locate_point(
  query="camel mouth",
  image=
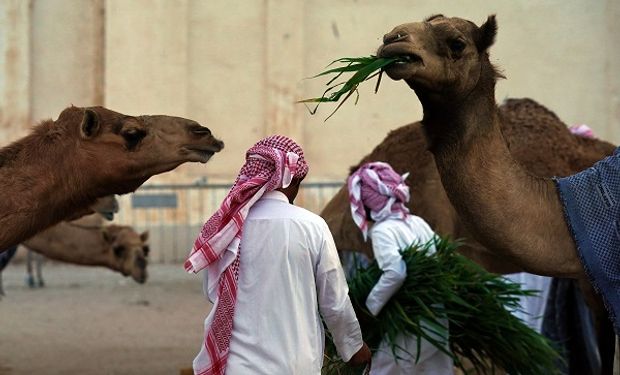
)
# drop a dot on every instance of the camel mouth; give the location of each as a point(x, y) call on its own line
point(407, 63)
point(201, 154)
point(410, 58)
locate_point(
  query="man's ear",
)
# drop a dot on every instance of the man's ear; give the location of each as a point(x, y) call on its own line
point(485, 35)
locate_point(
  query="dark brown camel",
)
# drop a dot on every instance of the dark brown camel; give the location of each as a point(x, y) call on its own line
point(512, 212)
point(64, 165)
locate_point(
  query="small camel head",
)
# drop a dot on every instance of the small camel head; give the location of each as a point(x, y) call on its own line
point(124, 151)
point(106, 206)
point(443, 56)
point(128, 249)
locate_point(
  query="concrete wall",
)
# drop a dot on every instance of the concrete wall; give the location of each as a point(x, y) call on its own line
point(237, 67)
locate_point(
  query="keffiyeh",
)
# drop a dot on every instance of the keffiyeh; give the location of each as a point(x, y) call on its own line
point(377, 186)
point(270, 164)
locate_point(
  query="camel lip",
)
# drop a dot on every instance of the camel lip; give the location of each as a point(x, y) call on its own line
point(401, 52)
point(203, 154)
point(408, 63)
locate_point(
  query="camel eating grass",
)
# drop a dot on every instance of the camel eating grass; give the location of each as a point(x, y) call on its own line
point(64, 165)
point(515, 214)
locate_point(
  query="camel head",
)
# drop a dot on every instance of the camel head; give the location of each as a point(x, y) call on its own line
point(124, 151)
point(443, 58)
point(106, 206)
point(127, 251)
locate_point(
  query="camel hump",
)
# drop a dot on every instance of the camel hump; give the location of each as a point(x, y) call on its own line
point(528, 109)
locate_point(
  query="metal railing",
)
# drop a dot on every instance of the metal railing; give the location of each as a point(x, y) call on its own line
point(174, 213)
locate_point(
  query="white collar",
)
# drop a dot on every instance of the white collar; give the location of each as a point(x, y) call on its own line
point(275, 195)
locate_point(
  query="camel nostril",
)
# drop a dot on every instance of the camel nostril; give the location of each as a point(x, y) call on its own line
point(394, 37)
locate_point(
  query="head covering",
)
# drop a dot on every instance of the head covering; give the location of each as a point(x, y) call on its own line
point(270, 164)
point(582, 130)
point(377, 186)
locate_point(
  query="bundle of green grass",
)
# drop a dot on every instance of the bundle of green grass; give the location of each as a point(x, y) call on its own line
point(363, 69)
point(476, 303)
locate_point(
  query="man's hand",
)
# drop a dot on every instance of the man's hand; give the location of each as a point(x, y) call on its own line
point(360, 358)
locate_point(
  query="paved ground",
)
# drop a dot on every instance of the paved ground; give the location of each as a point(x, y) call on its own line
point(94, 321)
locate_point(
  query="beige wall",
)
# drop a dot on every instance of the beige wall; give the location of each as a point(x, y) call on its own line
point(237, 67)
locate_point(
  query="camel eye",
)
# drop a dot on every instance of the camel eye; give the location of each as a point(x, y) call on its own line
point(133, 137)
point(119, 250)
point(456, 45)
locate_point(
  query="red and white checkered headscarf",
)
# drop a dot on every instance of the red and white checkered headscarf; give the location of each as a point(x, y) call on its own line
point(270, 164)
point(377, 186)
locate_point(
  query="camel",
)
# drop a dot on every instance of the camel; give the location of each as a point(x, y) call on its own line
point(513, 213)
point(88, 242)
point(104, 207)
point(537, 139)
point(62, 166)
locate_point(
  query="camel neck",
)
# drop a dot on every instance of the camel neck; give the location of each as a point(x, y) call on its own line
point(484, 183)
point(39, 168)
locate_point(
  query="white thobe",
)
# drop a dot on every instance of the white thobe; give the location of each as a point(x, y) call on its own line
point(532, 307)
point(389, 237)
point(289, 272)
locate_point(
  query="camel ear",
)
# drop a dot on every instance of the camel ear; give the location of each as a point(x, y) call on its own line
point(107, 236)
point(90, 124)
point(144, 236)
point(485, 37)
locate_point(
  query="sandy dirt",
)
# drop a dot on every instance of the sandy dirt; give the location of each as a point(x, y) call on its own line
point(94, 321)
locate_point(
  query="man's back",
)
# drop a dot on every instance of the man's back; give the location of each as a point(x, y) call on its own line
point(277, 328)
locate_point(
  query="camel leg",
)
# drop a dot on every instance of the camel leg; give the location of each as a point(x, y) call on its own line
point(29, 275)
point(1, 288)
point(606, 344)
point(606, 337)
point(617, 358)
point(39, 264)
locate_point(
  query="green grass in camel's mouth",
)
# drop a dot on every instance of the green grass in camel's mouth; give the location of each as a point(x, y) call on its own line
point(362, 68)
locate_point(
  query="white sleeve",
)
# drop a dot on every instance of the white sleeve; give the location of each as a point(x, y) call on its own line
point(334, 303)
point(389, 260)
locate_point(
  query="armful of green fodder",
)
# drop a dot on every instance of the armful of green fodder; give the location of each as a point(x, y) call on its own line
point(477, 305)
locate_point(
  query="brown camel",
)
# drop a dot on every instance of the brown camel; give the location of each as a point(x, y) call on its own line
point(88, 242)
point(537, 139)
point(510, 211)
point(64, 165)
point(106, 207)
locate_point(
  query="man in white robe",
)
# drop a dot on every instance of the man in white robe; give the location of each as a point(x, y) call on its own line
point(272, 272)
point(378, 194)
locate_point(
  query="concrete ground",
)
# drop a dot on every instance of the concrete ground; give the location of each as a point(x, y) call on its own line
point(93, 321)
